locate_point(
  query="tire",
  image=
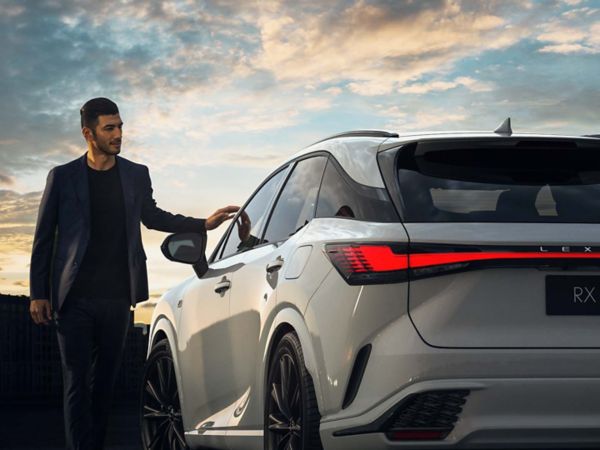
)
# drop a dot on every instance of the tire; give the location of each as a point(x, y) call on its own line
point(291, 414)
point(161, 424)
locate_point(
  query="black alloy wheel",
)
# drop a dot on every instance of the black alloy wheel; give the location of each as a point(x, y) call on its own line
point(161, 424)
point(291, 414)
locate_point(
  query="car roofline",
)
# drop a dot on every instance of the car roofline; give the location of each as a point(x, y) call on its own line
point(390, 134)
point(355, 148)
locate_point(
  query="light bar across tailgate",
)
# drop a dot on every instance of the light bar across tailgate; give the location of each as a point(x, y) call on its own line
point(374, 263)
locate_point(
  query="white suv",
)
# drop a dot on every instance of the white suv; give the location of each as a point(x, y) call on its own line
point(383, 291)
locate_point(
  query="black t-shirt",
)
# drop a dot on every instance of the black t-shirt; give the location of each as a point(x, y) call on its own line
point(104, 271)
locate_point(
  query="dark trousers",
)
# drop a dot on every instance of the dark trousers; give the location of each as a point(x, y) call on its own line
point(91, 338)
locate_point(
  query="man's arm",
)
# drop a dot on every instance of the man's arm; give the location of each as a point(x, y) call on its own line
point(41, 253)
point(157, 219)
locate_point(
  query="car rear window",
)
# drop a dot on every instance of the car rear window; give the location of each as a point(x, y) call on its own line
point(500, 181)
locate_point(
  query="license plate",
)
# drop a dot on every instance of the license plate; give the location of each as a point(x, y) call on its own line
point(572, 295)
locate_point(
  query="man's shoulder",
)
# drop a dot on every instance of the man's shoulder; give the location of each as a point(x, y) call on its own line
point(67, 167)
point(131, 164)
point(75, 164)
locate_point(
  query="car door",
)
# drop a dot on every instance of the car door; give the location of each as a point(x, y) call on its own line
point(205, 342)
point(253, 293)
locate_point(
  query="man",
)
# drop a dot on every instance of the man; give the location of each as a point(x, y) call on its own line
point(88, 264)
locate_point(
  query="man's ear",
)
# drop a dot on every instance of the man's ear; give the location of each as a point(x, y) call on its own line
point(87, 133)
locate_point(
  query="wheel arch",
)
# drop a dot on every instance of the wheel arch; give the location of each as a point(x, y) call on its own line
point(164, 329)
point(158, 336)
point(161, 329)
point(290, 320)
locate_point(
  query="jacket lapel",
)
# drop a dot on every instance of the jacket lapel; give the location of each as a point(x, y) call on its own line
point(82, 189)
point(127, 184)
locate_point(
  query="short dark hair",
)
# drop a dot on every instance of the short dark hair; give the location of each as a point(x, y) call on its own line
point(96, 107)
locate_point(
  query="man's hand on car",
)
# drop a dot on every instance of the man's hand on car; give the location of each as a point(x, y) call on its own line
point(220, 216)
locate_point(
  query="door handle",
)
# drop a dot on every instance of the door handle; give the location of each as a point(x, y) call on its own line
point(274, 266)
point(222, 286)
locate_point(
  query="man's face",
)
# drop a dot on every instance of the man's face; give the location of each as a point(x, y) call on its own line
point(107, 135)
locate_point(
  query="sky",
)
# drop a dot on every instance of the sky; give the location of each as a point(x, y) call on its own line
point(216, 94)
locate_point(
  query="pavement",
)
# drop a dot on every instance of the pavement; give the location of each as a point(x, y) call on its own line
point(29, 427)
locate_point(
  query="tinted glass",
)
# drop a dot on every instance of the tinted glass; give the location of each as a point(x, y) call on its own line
point(296, 204)
point(340, 196)
point(245, 233)
point(511, 181)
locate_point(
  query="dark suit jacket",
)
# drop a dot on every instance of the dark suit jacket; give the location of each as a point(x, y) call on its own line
point(63, 228)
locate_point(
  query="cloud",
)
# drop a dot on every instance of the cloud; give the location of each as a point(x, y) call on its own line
point(372, 88)
point(571, 108)
point(377, 46)
point(15, 251)
point(563, 35)
point(423, 88)
point(6, 179)
point(18, 209)
point(190, 75)
point(333, 90)
point(574, 13)
point(437, 85)
point(571, 33)
point(194, 129)
point(63, 53)
point(17, 223)
point(566, 49)
point(16, 240)
point(426, 120)
point(12, 11)
point(251, 159)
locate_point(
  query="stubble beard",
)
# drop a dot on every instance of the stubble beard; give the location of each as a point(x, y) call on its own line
point(107, 149)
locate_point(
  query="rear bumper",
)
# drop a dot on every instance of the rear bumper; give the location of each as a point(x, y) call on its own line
point(519, 398)
point(499, 413)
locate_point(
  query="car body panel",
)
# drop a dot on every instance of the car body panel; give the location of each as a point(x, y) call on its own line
point(252, 298)
point(355, 315)
point(204, 316)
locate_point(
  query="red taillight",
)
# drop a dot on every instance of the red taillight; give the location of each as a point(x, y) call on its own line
point(369, 263)
point(366, 258)
point(390, 263)
point(434, 259)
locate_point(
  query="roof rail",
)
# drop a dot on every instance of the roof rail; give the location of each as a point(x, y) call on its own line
point(592, 135)
point(361, 133)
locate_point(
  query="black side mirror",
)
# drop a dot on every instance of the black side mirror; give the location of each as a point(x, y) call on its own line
point(187, 248)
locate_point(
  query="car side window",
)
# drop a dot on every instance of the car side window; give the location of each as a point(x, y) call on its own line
point(340, 196)
point(245, 233)
point(296, 204)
